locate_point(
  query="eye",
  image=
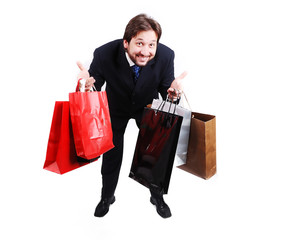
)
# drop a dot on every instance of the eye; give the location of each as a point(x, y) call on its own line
point(152, 45)
point(139, 44)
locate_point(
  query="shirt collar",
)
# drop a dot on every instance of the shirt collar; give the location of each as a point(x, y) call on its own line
point(131, 63)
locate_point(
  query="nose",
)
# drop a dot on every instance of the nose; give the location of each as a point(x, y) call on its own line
point(145, 51)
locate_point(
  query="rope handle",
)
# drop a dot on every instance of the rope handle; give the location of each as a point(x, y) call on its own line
point(186, 100)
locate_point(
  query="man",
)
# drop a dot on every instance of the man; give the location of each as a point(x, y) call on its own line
point(135, 69)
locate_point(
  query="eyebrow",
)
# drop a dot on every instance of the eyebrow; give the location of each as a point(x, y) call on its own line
point(141, 39)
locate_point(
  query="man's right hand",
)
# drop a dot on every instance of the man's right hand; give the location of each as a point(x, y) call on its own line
point(85, 75)
point(83, 71)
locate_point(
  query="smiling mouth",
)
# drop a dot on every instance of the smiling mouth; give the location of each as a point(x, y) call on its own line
point(143, 58)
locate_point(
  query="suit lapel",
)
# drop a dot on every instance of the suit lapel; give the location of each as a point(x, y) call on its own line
point(124, 69)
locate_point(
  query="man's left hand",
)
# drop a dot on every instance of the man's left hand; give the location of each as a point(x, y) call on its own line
point(175, 89)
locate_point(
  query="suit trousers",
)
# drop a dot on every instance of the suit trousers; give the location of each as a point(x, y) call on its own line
point(113, 158)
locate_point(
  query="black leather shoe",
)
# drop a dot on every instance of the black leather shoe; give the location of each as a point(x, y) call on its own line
point(162, 208)
point(103, 206)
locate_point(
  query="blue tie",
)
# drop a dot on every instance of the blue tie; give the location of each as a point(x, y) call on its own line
point(136, 70)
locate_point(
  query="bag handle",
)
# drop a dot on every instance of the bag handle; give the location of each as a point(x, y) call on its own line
point(186, 100)
point(173, 102)
point(192, 115)
point(161, 106)
point(81, 86)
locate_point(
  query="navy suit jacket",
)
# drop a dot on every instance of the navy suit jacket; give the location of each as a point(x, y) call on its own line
point(127, 99)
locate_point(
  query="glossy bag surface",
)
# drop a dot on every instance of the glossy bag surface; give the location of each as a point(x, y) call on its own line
point(155, 149)
point(61, 154)
point(182, 146)
point(91, 123)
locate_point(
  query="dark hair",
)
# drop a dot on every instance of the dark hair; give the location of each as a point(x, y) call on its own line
point(141, 22)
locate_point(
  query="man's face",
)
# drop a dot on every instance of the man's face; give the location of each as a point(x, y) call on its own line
point(142, 48)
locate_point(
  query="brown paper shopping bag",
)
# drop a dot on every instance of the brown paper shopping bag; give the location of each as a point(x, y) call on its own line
point(201, 155)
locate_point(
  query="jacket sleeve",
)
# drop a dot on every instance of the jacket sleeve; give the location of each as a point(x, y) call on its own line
point(167, 76)
point(96, 71)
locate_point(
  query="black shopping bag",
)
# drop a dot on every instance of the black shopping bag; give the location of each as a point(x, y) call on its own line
point(155, 149)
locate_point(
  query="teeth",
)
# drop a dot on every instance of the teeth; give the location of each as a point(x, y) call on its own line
point(143, 58)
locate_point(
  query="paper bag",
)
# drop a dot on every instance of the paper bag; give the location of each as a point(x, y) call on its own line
point(201, 154)
point(61, 154)
point(91, 123)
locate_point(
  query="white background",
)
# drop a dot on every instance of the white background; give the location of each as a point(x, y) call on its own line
point(233, 52)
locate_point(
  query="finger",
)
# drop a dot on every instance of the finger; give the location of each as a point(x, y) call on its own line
point(91, 80)
point(89, 83)
point(183, 75)
point(87, 89)
point(80, 65)
point(171, 90)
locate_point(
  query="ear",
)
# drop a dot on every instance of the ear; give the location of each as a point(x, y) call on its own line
point(125, 44)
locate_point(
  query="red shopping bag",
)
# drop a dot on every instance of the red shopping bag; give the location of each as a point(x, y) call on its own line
point(91, 123)
point(61, 154)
